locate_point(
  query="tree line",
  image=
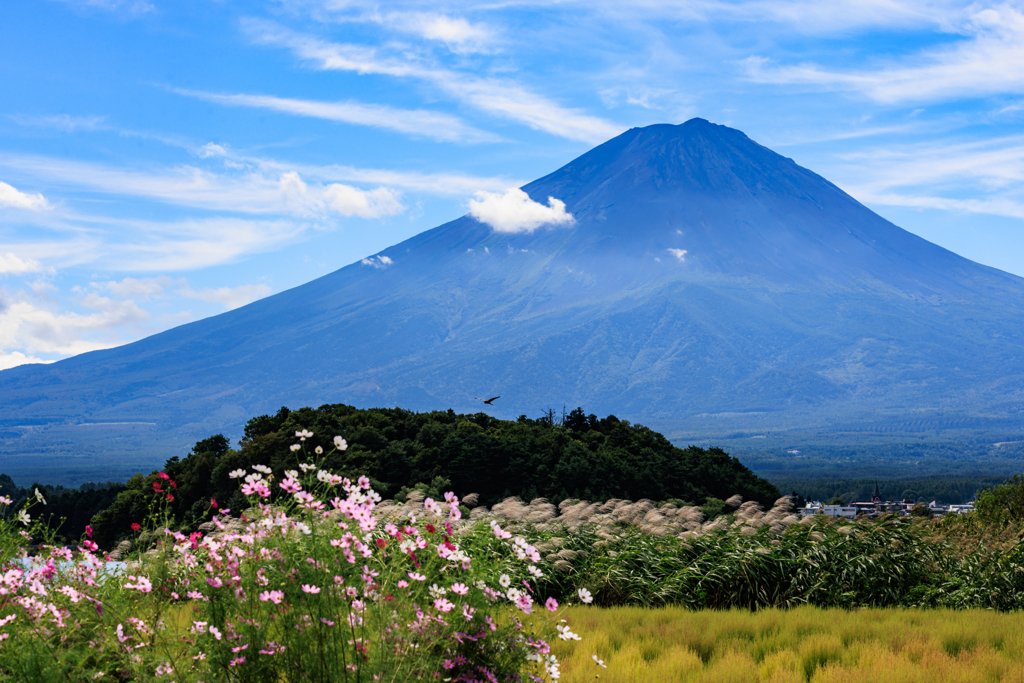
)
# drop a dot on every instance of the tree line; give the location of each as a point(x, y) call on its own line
point(575, 456)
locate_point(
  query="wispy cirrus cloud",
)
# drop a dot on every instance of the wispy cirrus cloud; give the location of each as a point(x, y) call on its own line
point(985, 61)
point(62, 122)
point(228, 297)
point(416, 122)
point(984, 177)
point(129, 7)
point(500, 97)
point(457, 33)
point(248, 191)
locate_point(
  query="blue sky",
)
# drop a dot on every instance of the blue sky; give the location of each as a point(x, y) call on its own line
point(163, 161)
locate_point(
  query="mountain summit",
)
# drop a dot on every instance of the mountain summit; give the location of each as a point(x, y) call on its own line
point(704, 280)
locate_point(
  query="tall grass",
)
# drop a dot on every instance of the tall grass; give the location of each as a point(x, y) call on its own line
point(801, 645)
point(635, 553)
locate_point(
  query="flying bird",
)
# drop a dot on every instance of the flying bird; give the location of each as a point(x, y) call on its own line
point(487, 401)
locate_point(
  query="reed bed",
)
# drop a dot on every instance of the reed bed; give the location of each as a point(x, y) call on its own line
point(643, 553)
point(800, 645)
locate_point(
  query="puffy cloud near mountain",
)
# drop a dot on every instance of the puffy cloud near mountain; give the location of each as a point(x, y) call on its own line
point(514, 211)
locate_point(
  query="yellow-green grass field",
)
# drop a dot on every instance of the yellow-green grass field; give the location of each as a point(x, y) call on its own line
point(805, 644)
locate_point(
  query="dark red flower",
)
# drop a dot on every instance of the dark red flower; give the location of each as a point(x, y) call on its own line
point(136, 526)
point(213, 503)
point(170, 498)
point(382, 543)
point(163, 475)
point(430, 529)
point(156, 487)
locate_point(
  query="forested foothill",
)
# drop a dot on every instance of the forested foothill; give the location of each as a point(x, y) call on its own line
point(555, 457)
point(67, 510)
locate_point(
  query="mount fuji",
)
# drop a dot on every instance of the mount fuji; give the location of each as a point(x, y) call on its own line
point(705, 285)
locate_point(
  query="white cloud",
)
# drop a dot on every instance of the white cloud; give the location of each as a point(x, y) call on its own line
point(977, 177)
point(245, 190)
point(63, 122)
point(211, 150)
point(16, 358)
point(986, 62)
point(20, 200)
point(12, 264)
point(678, 253)
point(379, 262)
point(501, 97)
point(137, 288)
point(29, 324)
point(133, 7)
point(514, 211)
point(198, 243)
point(229, 297)
point(457, 33)
point(351, 201)
point(417, 122)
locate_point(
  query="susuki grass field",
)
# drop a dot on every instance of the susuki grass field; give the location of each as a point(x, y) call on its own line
point(804, 644)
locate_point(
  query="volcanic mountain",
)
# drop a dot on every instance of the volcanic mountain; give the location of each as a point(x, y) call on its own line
point(704, 278)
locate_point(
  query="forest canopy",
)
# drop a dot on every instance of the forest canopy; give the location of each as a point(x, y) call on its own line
point(577, 456)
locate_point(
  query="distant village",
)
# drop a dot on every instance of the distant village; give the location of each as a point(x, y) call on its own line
point(877, 507)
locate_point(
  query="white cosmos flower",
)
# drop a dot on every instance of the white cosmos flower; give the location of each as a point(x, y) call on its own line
point(585, 596)
point(303, 434)
point(319, 450)
point(262, 468)
point(235, 474)
point(295, 447)
point(600, 662)
point(340, 443)
point(292, 473)
point(23, 517)
point(505, 581)
point(40, 498)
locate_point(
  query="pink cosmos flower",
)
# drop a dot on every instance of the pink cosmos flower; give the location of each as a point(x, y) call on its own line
point(273, 596)
point(551, 604)
point(416, 576)
point(290, 485)
point(460, 588)
point(403, 583)
point(237, 661)
point(306, 588)
point(141, 584)
point(442, 605)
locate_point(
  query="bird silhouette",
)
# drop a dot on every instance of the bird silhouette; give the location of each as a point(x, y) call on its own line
point(487, 401)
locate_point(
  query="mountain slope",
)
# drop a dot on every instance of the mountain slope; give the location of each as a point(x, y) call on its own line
point(704, 275)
